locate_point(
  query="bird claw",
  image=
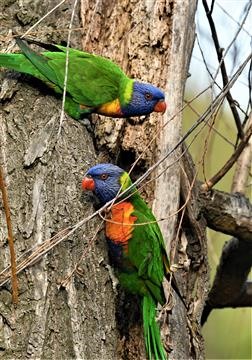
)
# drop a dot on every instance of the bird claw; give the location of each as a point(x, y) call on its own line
point(175, 267)
point(168, 306)
point(113, 278)
point(87, 123)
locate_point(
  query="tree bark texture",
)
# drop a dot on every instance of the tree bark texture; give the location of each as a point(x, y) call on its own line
point(151, 40)
point(227, 213)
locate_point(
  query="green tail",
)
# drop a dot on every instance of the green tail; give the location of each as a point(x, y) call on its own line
point(20, 63)
point(36, 65)
point(153, 344)
point(39, 62)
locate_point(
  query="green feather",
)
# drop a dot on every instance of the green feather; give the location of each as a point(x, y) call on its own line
point(148, 238)
point(153, 344)
point(136, 248)
point(97, 83)
point(40, 63)
point(92, 80)
point(146, 268)
point(20, 63)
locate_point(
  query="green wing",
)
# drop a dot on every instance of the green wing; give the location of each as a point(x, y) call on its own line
point(92, 80)
point(146, 250)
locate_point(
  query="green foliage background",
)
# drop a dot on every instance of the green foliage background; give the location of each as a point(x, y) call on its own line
point(227, 332)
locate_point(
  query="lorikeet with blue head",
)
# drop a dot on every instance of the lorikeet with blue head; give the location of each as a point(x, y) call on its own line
point(137, 251)
point(94, 84)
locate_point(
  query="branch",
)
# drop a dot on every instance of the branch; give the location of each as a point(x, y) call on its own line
point(219, 51)
point(227, 213)
point(229, 287)
point(243, 165)
point(230, 214)
point(210, 183)
point(243, 300)
point(14, 281)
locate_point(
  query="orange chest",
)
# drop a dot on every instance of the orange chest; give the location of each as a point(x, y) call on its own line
point(120, 226)
point(111, 108)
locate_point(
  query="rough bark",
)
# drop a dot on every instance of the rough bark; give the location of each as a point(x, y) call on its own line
point(43, 178)
point(191, 256)
point(185, 246)
point(152, 41)
point(230, 214)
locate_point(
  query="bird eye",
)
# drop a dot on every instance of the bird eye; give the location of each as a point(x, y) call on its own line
point(103, 176)
point(148, 96)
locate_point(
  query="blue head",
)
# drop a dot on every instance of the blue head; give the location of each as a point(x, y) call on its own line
point(105, 180)
point(146, 98)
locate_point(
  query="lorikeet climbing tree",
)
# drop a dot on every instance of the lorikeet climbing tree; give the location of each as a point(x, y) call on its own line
point(136, 246)
point(94, 83)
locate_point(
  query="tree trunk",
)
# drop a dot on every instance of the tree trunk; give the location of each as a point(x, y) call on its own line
point(86, 319)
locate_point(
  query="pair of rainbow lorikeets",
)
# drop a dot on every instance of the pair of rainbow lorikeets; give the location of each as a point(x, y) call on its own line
point(97, 85)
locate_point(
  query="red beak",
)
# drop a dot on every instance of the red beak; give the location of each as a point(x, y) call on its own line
point(88, 184)
point(160, 106)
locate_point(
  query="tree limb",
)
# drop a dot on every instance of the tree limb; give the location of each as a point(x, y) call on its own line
point(243, 300)
point(229, 287)
point(227, 213)
point(230, 214)
point(243, 164)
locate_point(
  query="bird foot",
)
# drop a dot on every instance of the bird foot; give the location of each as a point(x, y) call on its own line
point(175, 267)
point(113, 278)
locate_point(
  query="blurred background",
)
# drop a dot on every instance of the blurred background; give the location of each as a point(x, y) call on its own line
point(227, 332)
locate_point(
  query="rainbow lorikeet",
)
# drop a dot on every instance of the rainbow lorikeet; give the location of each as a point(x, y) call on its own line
point(137, 252)
point(94, 83)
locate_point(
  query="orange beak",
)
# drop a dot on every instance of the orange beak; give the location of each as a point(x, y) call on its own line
point(88, 184)
point(160, 106)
